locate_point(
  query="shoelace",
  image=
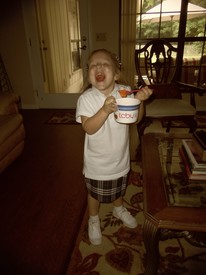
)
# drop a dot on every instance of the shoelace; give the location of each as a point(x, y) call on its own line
point(94, 224)
point(124, 212)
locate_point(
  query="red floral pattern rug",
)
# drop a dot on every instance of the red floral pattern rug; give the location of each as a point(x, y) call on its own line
point(122, 250)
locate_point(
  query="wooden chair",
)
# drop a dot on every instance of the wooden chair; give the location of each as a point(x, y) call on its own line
point(201, 74)
point(199, 86)
point(156, 67)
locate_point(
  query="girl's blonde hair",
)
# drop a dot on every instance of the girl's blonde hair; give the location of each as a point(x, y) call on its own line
point(116, 63)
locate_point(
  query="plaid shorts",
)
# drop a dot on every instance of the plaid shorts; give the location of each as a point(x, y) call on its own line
point(106, 191)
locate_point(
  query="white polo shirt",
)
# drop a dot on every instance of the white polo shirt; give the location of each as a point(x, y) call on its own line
point(106, 153)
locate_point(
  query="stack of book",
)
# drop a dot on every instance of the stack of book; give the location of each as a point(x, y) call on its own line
point(199, 139)
point(193, 156)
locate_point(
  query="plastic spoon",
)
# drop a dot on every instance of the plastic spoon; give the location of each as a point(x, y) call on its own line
point(125, 93)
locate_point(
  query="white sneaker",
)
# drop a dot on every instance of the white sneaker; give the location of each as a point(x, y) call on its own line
point(94, 232)
point(125, 216)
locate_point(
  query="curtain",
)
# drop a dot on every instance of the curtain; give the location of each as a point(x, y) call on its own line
point(128, 42)
point(128, 39)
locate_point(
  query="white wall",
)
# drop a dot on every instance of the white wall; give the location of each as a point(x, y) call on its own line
point(104, 19)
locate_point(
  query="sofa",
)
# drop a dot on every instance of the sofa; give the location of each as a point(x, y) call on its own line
point(12, 131)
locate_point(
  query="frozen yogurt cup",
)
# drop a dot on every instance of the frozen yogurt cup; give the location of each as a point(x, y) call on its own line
point(127, 110)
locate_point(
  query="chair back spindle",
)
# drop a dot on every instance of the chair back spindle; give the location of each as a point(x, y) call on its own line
point(159, 63)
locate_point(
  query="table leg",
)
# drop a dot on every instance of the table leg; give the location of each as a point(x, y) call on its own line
point(151, 235)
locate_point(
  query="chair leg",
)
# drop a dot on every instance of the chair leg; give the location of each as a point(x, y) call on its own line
point(141, 126)
point(168, 126)
point(192, 125)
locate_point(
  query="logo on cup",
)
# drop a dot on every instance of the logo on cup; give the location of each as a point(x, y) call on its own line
point(127, 115)
point(127, 110)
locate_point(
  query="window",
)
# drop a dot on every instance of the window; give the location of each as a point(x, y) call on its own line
point(183, 23)
point(74, 27)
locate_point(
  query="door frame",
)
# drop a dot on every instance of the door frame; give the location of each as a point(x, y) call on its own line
point(50, 100)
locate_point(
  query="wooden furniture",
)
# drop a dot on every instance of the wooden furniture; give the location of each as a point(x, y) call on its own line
point(5, 84)
point(165, 209)
point(156, 66)
point(42, 198)
point(12, 132)
point(200, 74)
point(11, 128)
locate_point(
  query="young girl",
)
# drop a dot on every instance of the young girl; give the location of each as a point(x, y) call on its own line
point(106, 148)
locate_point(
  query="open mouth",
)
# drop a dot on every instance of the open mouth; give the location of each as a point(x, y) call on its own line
point(100, 77)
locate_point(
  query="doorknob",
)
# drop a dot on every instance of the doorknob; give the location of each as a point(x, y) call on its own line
point(83, 47)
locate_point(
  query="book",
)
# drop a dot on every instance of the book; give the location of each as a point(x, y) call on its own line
point(201, 151)
point(195, 160)
point(201, 137)
point(187, 169)
point(187, 162)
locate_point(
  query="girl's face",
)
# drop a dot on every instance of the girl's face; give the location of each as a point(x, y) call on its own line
point(102, 73)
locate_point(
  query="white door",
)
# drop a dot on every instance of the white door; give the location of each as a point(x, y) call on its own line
point(62, 47)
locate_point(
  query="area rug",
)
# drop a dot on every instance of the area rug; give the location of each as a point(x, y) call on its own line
point(200, 119)
point(122, 250)
point(63, 117)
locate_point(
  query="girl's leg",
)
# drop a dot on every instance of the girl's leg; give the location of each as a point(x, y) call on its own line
point(118, 202)
point(93, 206)
point(94, 230)
point(120, 212)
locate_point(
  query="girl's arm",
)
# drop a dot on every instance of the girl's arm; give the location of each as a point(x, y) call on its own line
point(142, 95)
point(92, 124)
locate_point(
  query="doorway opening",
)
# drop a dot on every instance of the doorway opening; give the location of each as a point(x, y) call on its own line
point(60, 45)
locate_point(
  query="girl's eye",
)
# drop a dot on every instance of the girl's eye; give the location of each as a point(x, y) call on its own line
point(105, 65)
point(92, 66)
point(99, 65)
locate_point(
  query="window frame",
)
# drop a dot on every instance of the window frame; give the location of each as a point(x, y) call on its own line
point(181, 39)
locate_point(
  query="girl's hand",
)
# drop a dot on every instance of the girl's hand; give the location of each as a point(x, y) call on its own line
point(110, 105)
point(144, 93)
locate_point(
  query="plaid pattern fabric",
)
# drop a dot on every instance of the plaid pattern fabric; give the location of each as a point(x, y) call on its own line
point(106, 191)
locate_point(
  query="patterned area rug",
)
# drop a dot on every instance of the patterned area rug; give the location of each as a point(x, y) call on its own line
point(122, 250)
point(63, 117)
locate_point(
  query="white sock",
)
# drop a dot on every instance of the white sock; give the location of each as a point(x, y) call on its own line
point(94, 218)
point(118, 208)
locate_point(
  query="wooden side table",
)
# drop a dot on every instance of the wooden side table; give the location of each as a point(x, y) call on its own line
point(164, 209)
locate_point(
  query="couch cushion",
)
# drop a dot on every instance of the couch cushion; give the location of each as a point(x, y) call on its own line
point(9, 124)
point(11, 141)
point(8, 103)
